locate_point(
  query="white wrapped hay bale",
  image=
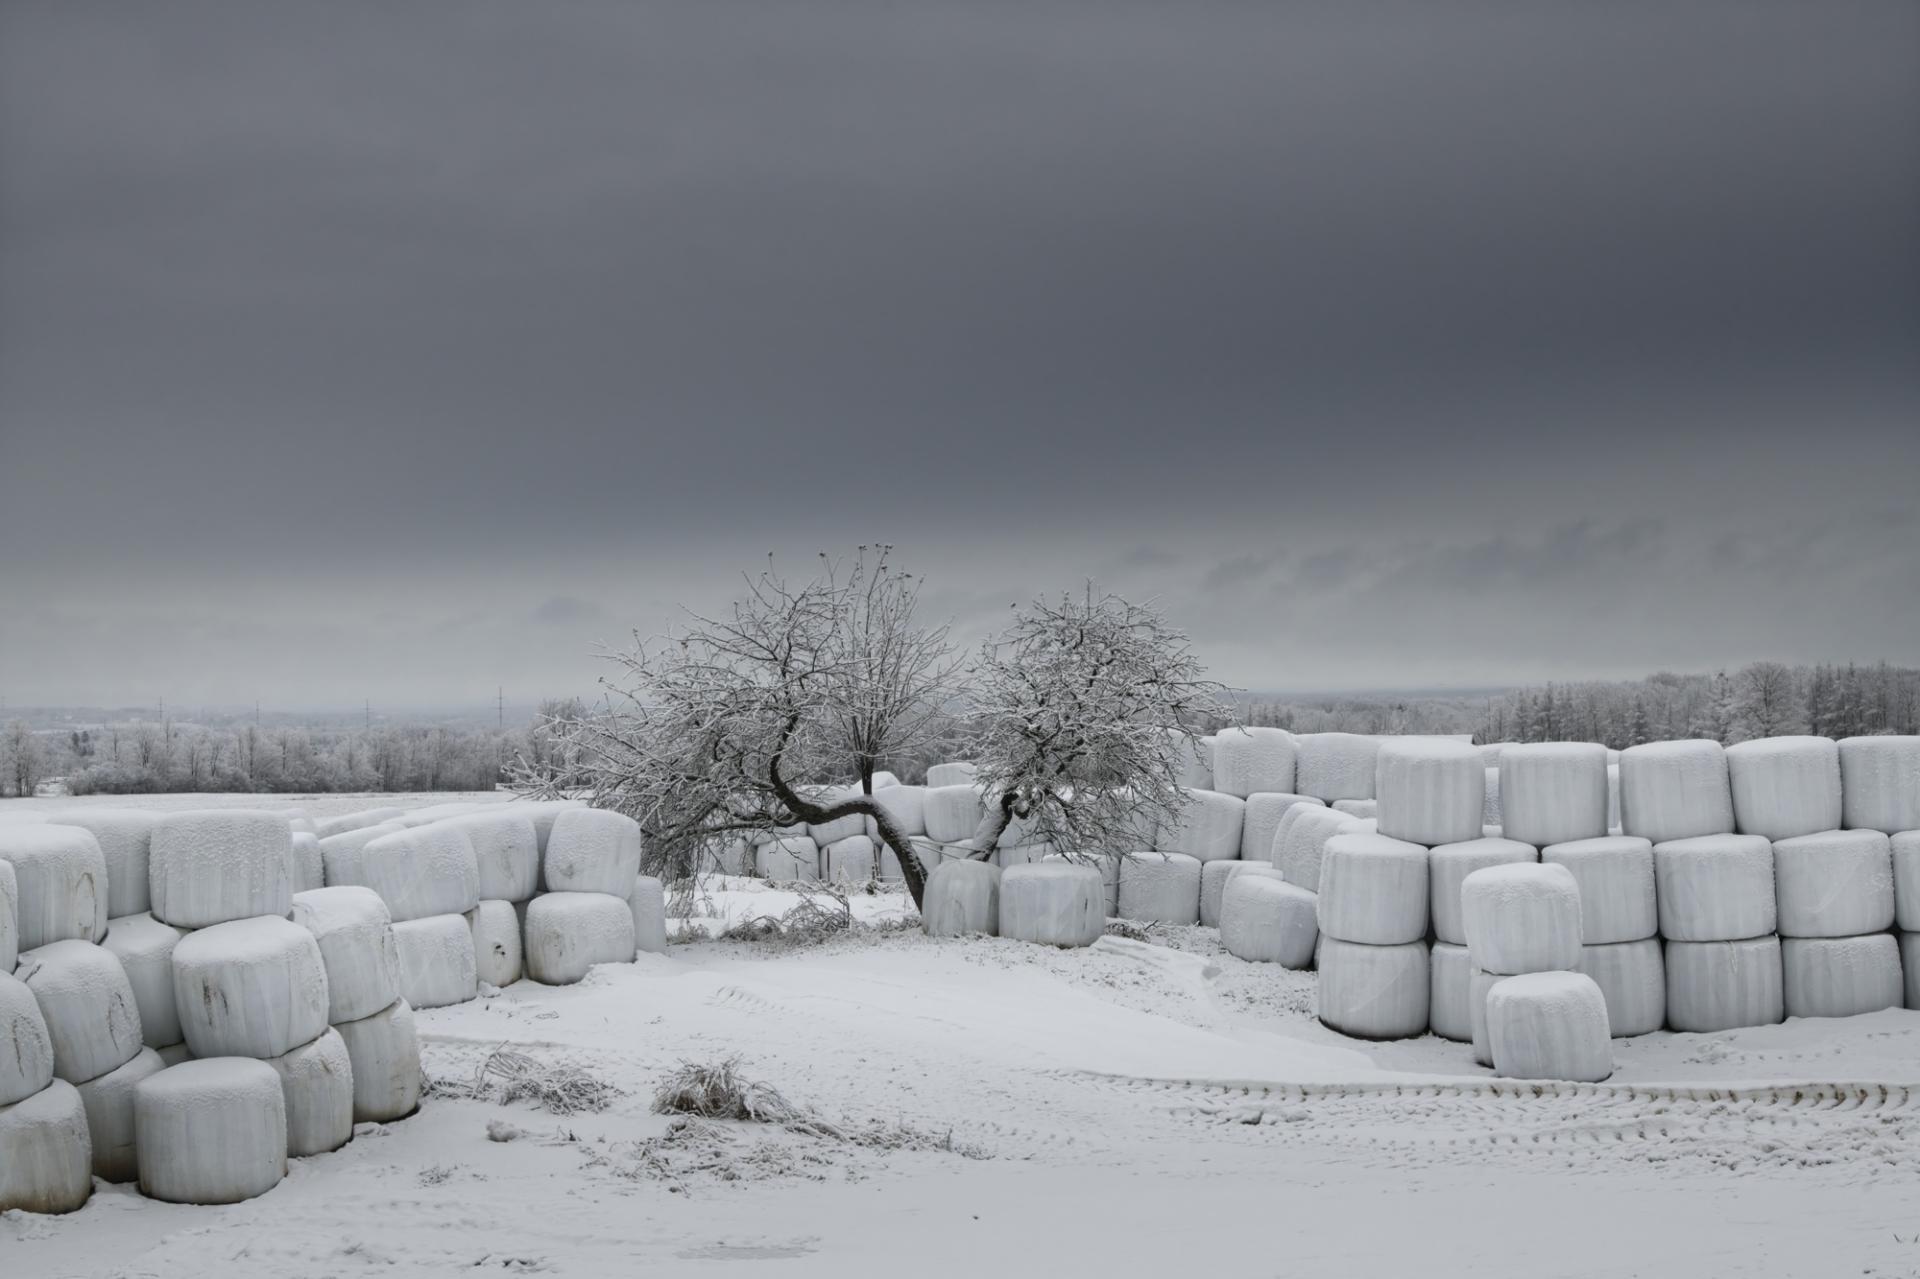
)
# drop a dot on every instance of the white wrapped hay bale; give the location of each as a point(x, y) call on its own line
point(1207, 828)
point(1374, 992)
point(306, 864)
point(250, 988)
point(1549, 1025)
point(1906, 880)
point(218, 865)
point(1373, 890)
point(1910, 965)
point(1431, 791)
point(824, 833)
point(211, 1132)
point(1248, 761)
point(1615, 874)
point(1633, 977)
point(1675, 790)
point(144, 947)
point(907, 806)
point(1553, 792)
point(438, 965)
point(1722, 985)
point(26, 1050)
point(88, 1007)
point(1448, 867)
point(1613, 797)
point(339, 854)
point(1357, 807)
point(848, 861)
point(1522, 918)
point(384, 1051)
point(1479, 983)
point(1265, 920)
point(952, 813)
point(506, 852)
point(1335, 765)
point(1490, 805)
point(1785, 786)
point(316, 1082)
point(1840, 976)
point(1260, 822)
point(327, 827)
point(1007, 856)
point(1838, 883)
point(592, 850)
point(648, 904)
point(955, 773)
point(46, 1155)
point(9, 917)
point(1213, 882)
point(1053, 904)
point(108, 1102)
point(1449, 1015)
point(351, 926)
point(419, 872)
point(1715, 887)
point(495, 928)
point(60, 883)
point(1107, 866)
point(568, 933)
point(883, 780)
point(1880, 783)
point(1299, 845)
point(1192, 760)
point(785, 860)
point(125, 835)
point(962, 896)
point(1160, 888)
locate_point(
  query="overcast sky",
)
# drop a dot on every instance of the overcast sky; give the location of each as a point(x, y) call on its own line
point(402, 351)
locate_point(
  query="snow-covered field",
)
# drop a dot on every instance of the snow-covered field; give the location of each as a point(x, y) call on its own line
point(1013, 1110)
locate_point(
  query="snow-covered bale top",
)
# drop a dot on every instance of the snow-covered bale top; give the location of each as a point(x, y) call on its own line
point(1880, 783)
point(356, 821)
point(1785, 786)
point(125, 836)
point(60, 883)
point(1249, 761)
point(1522, 918)
point(1675, 790)
point(1553, 792)
point(216, 865)
point(1431, 791)
point(1335, 765)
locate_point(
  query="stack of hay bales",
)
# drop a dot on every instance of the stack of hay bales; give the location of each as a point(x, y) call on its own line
point(506, 853)
point(1264, 919)
point(46, 1152)
point(1880, 791)
point(1619, 927)
point(1264, 813)
point(1448, 866)
point(429, 877)
point(1533, 1016)
point(953, 773)
point(1372, 913)
point(1165, 884)
point(962, 897)
point(590, 866)
point(1055, 903)
point(907, 806)
point(372, 1020)
point(1335, 766)
point(1251, 761)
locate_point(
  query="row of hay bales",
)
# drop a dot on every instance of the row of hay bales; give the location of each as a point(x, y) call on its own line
point(197, 996)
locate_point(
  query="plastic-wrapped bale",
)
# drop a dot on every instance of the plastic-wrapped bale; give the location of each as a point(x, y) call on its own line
point(1522, 918)
point(824, 833)
point(316, 1081)
point(108, 1102)
point(1207, 828)
point(1107, 865)
point(219, 865)
point(954, 773)
point(1192, 760)
point(1053, 904)
point(46, 1155)
point(1675, 790)
point(648, 904)
point(1299, 845)
point(1910, 965)
point(125, 836)
point(60, 883)
point(568, 933)
point(1007, 856)
point(1214, 878)
point(495, 928)
point(1613, 797)
point(88, 1007)
point(211, 1132)
point(506, 852)
point(1160, 888)
point(1838, 883)
point(327, 827)
point(962, 896)
point(1549, 1025)
point(592, 850)
point(26, 1049)
point(543, 814)
point(384, 1051)
point(419, 872)
point(794, 858)
point(1335, 765)
point(354, 931)
point(1633, 977)
point(1374, 992)
point(249, 988)
point(144, 947)
point(1373, 890)
point(438, 965)
point(9, 917)
point(1906, 880)
point(1479, 983)
point(1615, 874)
point(1880, 783)
point(1785, 786)
point(339, 854)
point(1357, 807)
point(883, 780)
point(1265, 920)
point(1840, 976)
point(1722, 985)
point(1248, 761)
point(1490, 805)
point(1715, 887)
point(952, 813)
point(1261, 822)
point(848, 861)
point(298, 821)
point(1431, 791)
point(907, 806)
point(1448, 867)
point(306, 865)
point(1553, 792)
point(1449, 1014)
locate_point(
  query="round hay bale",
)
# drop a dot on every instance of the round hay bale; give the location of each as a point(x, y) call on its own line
point(1192, 760)
point(1840, 976)
point(438, 965)
point(1613, 797)
point(144, 947)
point(1479, 983)
point(249, 988)
point(1374, 992)
point(1910, 965)
point(1207, 828)
point(215, 866)
point(907, 805)
point(9, 918)
point(60, 883)
point(354, 931)
point(1214, 878)
point(568, 933)
point(1549, 1025)
point(1785, 786)
point(848, 861)
point(1053, 904)
point(648, 905)
point(306, 865)
point(824, 833)
point(1838, 883)
point(46, 1155)
point(495, 929)
point(1107, 865)
point(88, 1006)
point(1615, 874)
point(1522, 918)
point(1715, 887)
point(1299, 844)
point(1160, 888)
point(1265, 920)
point(339, 854)
point(1448, 867)
point(1261, 822)
point(1633, 977)
point(1335, 765)
point(1373, 890)
point(1449, 1014)
point(125, 836)
point(26, 1050)
point(955, 773)
point(506, 852)
point(108, 1102)
point(384, 1051)
point(1248, 761)
point(1879, 784)
point(418, 872)
point(592, 850)
point(316, 1082)
point(1723, 985)
point(327, 827)
point(962, 896)
point(1906, 880)
point(1490, 806)
point(1431, 791)
point(1553, 792)
point(786, 860)
point(1675, 790)
point(211, 1132)
point(952, 813)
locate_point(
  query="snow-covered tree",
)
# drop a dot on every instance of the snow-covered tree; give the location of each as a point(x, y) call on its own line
point(1767, 701)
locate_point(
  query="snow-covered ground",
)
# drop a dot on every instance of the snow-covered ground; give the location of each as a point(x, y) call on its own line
point(1132, 1109)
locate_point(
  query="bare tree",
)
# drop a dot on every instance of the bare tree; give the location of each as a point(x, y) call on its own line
point(1768, 704)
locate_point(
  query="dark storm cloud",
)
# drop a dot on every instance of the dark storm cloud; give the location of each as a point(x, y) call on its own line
point(520, 323)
